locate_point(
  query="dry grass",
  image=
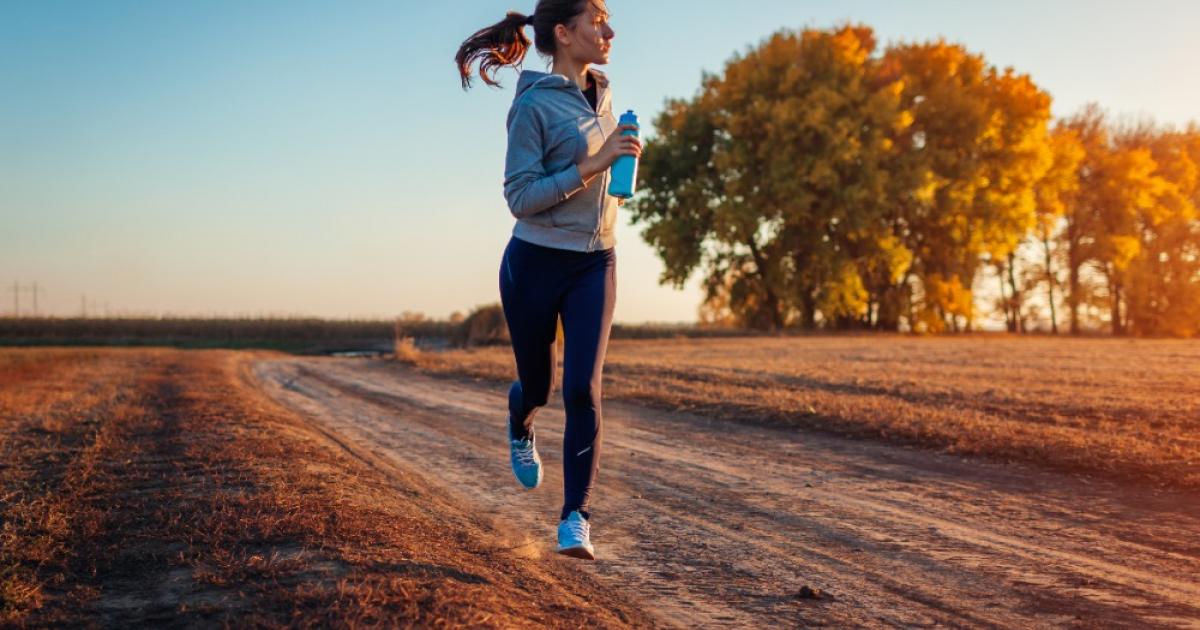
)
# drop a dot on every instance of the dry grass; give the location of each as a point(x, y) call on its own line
point(154, 487)
point(1128, 409)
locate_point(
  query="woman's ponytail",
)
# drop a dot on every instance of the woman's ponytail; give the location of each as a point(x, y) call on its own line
point(504, 43)
point(501, 44)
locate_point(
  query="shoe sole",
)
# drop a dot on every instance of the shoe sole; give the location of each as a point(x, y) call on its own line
point(533, 487)
point(578, 552)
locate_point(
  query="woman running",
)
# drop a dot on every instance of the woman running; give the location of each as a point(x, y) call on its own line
point(560, 261)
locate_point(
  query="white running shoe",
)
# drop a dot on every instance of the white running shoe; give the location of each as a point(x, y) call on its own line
point(574, 537)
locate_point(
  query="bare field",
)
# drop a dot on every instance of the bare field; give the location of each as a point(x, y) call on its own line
point(160, 488)
point(1127, 409)
point(708, 523)
point(170, 488)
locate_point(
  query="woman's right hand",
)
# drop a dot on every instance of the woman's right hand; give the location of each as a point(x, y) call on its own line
point(615, 146)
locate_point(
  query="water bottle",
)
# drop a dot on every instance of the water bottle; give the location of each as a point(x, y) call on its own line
point(623, 177)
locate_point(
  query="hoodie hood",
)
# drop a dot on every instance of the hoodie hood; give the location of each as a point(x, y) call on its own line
point(534, 80)
point(543, 80)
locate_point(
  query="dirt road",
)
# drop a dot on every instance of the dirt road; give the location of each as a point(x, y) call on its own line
point(713, 524)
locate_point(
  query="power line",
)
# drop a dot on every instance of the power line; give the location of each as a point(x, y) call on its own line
point(34, 291)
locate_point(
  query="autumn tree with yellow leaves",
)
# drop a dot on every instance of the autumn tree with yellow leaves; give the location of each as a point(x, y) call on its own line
point(1160, 281)
point(819, 181)
point(977, 144)
point(773, 180)
point(1058, 187)
point(1131, 230)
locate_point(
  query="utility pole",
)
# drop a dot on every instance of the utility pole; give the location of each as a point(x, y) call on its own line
point(34, 291)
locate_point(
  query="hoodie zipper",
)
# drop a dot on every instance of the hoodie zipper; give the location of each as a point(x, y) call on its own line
point(600, 204)
point(604, 180)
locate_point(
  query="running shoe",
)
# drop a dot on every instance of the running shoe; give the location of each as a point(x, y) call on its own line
point(526, 465)
point(574, 537)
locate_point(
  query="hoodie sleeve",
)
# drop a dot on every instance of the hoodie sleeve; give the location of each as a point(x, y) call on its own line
point(528, 188)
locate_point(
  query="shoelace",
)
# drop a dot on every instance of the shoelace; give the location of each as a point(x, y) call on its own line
point(524, 452)
point(578, 529)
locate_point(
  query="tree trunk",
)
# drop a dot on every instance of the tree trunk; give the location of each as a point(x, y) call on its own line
point(1114, 289)
point(887, 317)
point(1050, 281)
point(1073, 264)
point(1005, 303)
point(911, 303)
point(808, 311)
point(772, 300)
point(1018, 324)
point(968, 320)
point(773, 305)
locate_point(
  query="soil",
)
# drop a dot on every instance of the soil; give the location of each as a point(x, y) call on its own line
point(710, 523)
point(159, 488)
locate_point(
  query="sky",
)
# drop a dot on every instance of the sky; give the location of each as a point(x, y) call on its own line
point(294, 157)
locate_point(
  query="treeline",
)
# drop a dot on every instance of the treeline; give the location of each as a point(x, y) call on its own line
point(485, 325)
point(292, 334)
point(822, 182)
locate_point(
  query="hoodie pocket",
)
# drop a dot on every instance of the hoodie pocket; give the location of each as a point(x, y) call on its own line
point(567, 142)
point(574, 138)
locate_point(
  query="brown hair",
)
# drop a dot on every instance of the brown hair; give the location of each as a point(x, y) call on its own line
point(505, 44)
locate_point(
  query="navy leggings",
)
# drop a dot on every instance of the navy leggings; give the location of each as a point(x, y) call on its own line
point(537, 285)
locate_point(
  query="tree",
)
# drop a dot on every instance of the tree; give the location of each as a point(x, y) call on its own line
point(970, 158)
point(1164, 278)
point(818, 182)
point(485, 326)
point(1053, 191)
point(773, 180)
point(1091, 130)
point(1118, 191)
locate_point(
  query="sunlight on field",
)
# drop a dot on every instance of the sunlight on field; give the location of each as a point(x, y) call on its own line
point(1122, 407)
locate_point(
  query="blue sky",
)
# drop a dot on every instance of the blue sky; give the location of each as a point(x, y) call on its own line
point(319, 158)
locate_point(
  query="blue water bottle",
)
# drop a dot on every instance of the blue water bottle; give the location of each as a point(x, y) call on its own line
point(623, 178)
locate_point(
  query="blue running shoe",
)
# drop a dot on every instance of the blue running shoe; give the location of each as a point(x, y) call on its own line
point(574, 537)
point(526, 464)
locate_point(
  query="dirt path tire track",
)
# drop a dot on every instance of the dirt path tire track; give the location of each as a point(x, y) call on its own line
point(715, 524)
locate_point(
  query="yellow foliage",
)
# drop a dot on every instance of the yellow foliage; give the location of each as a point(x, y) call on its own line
point(844, 294)
point(817, 173)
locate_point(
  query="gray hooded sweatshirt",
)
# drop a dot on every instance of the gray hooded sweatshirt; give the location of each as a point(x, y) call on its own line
point(551, 128)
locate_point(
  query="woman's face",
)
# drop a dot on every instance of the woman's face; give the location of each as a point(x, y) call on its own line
point(590, 38)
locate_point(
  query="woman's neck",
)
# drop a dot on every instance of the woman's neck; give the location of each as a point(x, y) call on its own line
point(573, 71)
